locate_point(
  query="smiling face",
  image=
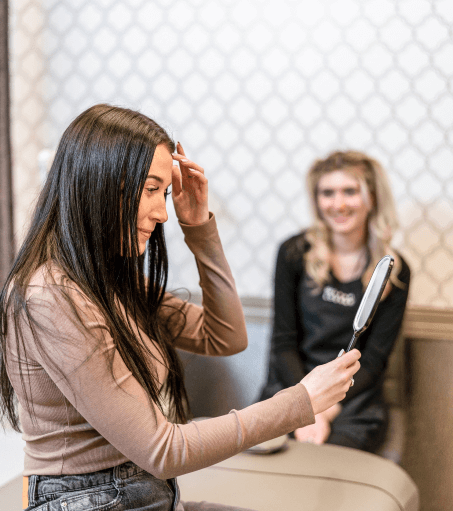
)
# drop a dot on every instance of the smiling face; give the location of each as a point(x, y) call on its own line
point(342, 203)
point(152, 207)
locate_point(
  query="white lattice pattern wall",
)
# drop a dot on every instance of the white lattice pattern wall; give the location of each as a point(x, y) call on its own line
point(255, 90)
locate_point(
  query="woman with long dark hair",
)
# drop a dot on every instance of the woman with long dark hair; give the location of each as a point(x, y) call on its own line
point(88, 331)
point(320, 277)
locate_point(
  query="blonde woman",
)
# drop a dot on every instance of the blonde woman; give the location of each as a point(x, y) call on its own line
point(320, 278)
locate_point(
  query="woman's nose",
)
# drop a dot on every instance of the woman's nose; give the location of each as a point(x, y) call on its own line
point(160, 213)
point(339, 201)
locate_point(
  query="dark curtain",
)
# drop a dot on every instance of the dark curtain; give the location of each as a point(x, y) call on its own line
point(6, 198)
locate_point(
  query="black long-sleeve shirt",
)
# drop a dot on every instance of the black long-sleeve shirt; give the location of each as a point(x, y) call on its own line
point(310, 329)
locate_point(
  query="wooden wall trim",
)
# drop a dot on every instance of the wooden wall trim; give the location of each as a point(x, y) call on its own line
point(429, 324)
point(422, 323)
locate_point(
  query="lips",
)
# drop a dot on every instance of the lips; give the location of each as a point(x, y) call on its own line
point(145, 232)
point(341, 219)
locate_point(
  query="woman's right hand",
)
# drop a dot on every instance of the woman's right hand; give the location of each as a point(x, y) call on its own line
point(327, 384)
point(189, 190)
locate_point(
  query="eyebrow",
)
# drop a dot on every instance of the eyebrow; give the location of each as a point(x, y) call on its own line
point(321, 188)
point(157, 178)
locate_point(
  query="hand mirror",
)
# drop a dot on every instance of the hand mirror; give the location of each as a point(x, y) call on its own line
point(370, 299)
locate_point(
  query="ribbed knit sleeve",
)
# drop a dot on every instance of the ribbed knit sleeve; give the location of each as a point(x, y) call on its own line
point(218, 327)
point(93, 414)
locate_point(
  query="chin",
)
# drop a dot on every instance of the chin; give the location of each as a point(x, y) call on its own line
point(345, 228)
point(340, 225)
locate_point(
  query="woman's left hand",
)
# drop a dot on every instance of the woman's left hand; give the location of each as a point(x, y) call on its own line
point(317, 433)
point(189, 190)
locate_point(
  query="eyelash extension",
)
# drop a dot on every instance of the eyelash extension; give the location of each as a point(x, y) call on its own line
point(166, 193)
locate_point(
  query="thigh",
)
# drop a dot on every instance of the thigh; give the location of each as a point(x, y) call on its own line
point(361, 425)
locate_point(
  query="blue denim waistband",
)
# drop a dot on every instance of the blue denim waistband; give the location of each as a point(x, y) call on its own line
point(44, 485)
point(49, 489)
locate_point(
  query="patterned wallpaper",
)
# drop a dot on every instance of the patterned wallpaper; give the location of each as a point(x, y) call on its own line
point(255, 90)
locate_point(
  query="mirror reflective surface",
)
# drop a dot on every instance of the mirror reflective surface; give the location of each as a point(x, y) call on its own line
point(373, 294)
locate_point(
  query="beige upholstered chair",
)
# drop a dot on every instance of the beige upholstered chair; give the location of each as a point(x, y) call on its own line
point(304, 476)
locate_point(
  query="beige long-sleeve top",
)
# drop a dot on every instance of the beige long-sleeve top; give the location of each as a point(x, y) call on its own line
point(88, 420)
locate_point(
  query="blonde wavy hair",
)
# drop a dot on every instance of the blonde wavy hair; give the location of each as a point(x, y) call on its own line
point(382, 220)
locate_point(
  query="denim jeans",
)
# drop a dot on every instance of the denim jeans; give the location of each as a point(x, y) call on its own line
point(123, 488)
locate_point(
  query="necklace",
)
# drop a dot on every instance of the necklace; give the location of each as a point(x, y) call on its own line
point(349, 267)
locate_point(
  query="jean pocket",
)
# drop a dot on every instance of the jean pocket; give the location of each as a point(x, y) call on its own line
point(91, 500)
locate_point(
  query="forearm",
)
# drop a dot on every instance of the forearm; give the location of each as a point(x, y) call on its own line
point(168, 450)
point(286, 321)
point(217, 328)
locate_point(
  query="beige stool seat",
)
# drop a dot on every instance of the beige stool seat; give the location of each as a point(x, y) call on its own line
point(305, 477)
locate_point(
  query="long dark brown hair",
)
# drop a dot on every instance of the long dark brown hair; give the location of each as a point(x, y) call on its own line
point(90, 198)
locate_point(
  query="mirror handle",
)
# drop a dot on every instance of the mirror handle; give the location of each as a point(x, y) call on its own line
point(351, 345)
